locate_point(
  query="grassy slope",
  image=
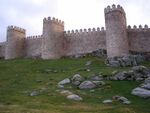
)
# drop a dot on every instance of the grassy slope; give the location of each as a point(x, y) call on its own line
point(21, 75)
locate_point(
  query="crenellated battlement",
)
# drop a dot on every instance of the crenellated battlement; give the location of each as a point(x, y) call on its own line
point(138, 28)
point(34, 37)
point(85, 31)
point(16, 29)
point(53, 20)
point(113, 8)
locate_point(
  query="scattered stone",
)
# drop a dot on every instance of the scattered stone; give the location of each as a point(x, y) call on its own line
point(65, 81)
point(66, 92)
point(107, 101)
point(114, 72)
point(87, 85)
point(88, 63)
point(77, 79)
point(96, 78)
point(60, 86)
point(126, 102)
point(34, 93)
point(74, 97)
point(141, 92)
point(99, 83)
point(88, 70)
point(122, 99)
point(121, 75)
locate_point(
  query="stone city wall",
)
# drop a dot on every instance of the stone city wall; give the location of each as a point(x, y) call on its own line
point(139, 39)
point(33, 46)
point(84, 41)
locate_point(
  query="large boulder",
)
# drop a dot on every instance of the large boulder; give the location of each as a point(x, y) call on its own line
point(141, 92)
point(87, 85)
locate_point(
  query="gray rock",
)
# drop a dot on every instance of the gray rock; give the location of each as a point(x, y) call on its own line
point(122, 99)
point(60, 86)
point(139, 68)
point(77, 83)
point(88, 63)
point(107, 101)
point(65, 81)
point(66, 92)
point(147, 80)
point(114, 63)
point(141, 92)
point(77, 77)
point(121, 75)
point(139, 79)
point(114, 72)
point(146, 86)
point(34, 93)
point(96, 78)
point(87, 85)
point(74, 97)
point(126, 102)
point(99, 83)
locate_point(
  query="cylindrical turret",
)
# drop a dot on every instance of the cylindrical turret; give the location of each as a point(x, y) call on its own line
point(52, 43)
point(116, 33)
point(15, 42)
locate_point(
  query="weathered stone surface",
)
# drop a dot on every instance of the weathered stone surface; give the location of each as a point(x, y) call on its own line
point(77, 79)
point(74, 97)
point(96, 78)
point(66, 92)
point(146, 86)
point(65, 81)
point(87, 85)
point(88, 63)
point(99, 83)
point(141, 92)
point(147, 80)
point(107, 101)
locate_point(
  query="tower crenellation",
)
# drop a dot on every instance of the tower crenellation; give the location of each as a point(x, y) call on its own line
point(112, 8)
point(53, 20)
point(19, 29)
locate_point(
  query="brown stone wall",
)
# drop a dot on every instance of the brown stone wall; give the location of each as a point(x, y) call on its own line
point(139, 39)
point(83, 41)
point(33, 47)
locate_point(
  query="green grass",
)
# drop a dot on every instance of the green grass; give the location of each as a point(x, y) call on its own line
point(24, 75)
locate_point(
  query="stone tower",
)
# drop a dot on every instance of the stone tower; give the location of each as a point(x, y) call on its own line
point(52, 43)
point(116, 33)
point(15, 42)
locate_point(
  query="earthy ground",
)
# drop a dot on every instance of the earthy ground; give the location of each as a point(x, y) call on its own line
point(21, 76)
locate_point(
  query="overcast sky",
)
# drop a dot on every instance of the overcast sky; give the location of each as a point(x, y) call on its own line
point(76, 14)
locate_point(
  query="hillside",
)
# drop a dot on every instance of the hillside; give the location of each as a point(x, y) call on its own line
point(19, 77)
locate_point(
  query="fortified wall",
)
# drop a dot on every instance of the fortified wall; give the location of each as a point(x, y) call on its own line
point(117, 38)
